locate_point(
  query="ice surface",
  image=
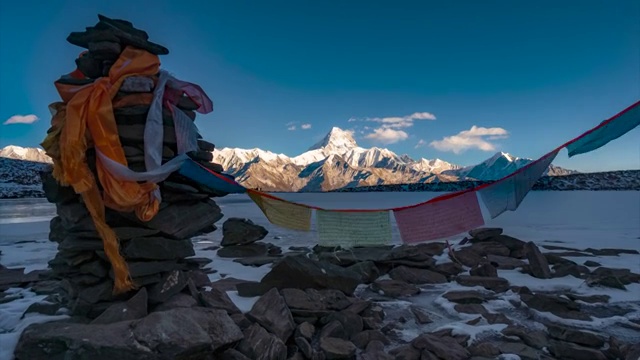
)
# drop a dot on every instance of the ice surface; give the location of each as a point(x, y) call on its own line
point(578, 219)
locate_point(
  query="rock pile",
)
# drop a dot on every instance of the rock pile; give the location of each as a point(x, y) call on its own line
point(156, 251)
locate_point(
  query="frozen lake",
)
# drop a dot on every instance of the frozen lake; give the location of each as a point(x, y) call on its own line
point(579, 219)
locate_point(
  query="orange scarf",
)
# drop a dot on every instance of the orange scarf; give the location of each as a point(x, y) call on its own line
point(89, 107)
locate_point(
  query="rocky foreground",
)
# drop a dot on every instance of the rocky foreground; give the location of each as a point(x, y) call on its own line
point(326, 303)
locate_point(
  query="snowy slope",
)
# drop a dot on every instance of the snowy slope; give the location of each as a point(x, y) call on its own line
point(21, 153)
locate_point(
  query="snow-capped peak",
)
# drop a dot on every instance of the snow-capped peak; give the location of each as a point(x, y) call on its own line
point(21, 153)
point(336, 141)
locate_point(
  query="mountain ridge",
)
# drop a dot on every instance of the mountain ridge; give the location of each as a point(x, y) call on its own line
point(336, 162)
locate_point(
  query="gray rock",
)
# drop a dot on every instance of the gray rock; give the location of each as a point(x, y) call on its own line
point(217, 299)
point(244, 251)
point(496, 284)
point(534, 338)
point(394, 288)
point(306, 330)
point(416, 276)
point(367, 270)
point(42, 307)
point(362, 339)
point(272, 313)
point(484, 269)
point(169, 334)
point(486, 248)
point(257, 261)
point(504, 262)
point(301, 272)
point(465, 297)
point(351, 322)
point(304, 346)
point(182, 220)
point(467, 257)
point(171, 284)
point(556, 305)
point(449, 269)
point(259, 344)
point(179, 300)
point(158, 248)
point(569, 351)
point(482, 234)
point(133, 309)
point(471, 309)
point(591, 263)
point(537, 262)
point(233, 354)
point(444, 347)
point(484, 349)
point(523, 351)
point(237, 231)
point(406, 352)
point(421, 315)
point(333, 329)
point(137, 84)
point(579, 337)
point(335, 348)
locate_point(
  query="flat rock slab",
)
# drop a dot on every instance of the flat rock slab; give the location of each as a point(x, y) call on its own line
point(169, 334)
point(465, 297)
point(272, 313)
point(395, 288)
point(237, 231)
point(301, 272)
point(416, 275)
point(258, 343)
point(496, 284)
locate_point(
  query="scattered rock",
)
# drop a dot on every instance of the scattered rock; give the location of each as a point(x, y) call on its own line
point(496, 284)
point(482, 234)
point(471, 309)
point(170, 334)
point(484, 269)
point(416, 276)
point(179, 300)
point(306, 330)
point(421, 315)
point(591, 263)
point(467, 257)
point(465, 297)
point(258, 343)
point(171, 284)
point(133, 309)
point(362, 339)
point(272, 313)
point(556, 305)
point(523, 351)
point(394, 288)
point(537, 262)
point(335, 348)
point(575, 336)
point(484, 349)
point(505, 263)
point(367, 270)
point(534, 338)
point(486, 248)
point(301, 272)
point(443, 347)
point(237, 231)
point(569, 351)
point(218, 299)
point(252, 250)
point(449, 269)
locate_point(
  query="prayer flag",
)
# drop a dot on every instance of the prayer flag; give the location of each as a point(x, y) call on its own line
point(218, 182)
point(620, 125)
point(283, 213)
point(508, 193)
point(439, 219)
point(350, 229)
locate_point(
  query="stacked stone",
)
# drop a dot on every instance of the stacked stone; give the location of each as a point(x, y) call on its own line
point(158, 251)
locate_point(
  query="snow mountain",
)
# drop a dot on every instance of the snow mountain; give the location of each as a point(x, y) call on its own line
point(21, 153)
point(337, 161)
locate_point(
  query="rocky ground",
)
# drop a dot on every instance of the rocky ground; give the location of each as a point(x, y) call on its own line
point(325, 303)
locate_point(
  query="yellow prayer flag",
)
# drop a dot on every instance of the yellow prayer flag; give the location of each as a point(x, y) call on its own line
point(283, 213)
point(350, 229)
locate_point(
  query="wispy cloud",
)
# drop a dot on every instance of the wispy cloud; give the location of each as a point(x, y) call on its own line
point(474, 138)
point(293, 125)
point(21, 119)
point(388, 131)
point(421, 143)
point(387, 136)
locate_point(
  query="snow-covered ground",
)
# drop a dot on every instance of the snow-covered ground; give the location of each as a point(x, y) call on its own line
point(579, 219)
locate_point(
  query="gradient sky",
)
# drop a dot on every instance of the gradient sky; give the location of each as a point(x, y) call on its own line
point(529, 75)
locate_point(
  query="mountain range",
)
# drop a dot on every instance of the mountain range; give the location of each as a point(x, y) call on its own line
point(337, 162)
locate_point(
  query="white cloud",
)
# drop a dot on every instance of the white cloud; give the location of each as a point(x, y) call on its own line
point(473, 138)
point(387, 136)
point(305, 126)
point(421, 143)
point(21, 119)
point(291, 128)
point(388, 132)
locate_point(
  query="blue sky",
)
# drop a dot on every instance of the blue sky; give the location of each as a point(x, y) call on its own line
point(451, 80)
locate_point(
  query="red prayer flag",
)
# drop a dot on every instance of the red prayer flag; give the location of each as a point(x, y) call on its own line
point(439, 219)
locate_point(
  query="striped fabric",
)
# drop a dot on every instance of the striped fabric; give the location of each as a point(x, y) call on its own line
point(283, 213)
point(507, 194)
point(352, 229)
point(439, 219)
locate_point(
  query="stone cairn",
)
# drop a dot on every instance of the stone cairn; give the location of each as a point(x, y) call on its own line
point(156, 251)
